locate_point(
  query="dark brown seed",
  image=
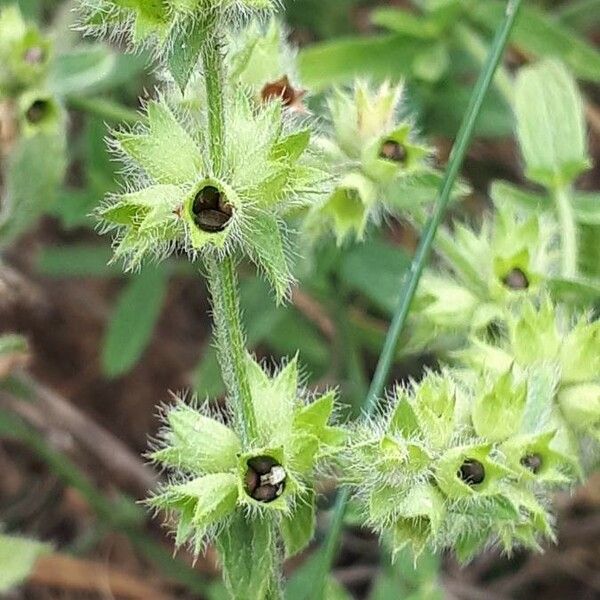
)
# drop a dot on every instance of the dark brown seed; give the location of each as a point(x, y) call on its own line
point(34, 55)
point(533, 462)
point(516, 280)
point(262, 464)
point(37, 111)
point(394, 151)
point(472, 472)
point(211, 210)
point(267, 493)
point(251, 481)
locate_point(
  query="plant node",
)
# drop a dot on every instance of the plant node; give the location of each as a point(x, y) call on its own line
point(394, 151)
point(212, 212)
point(516, 280)
point(471, 472)
point(265, 479)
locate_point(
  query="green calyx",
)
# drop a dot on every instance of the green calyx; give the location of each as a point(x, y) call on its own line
point(216, 478)
point(442, 464)
point(184, 202)
point(176, 30)
point(511, 258)
point(371, 150)
point(261, 59)
point(25, 53)
point(543, 336)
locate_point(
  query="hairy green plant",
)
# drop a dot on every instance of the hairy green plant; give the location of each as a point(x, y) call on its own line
point(237, 489)
point(465, 458)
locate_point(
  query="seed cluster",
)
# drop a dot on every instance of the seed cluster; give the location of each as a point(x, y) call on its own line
point(212, 212)
point(265, 479)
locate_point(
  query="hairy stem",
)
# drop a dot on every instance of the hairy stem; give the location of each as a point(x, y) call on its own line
point(231, 340)
point(221, 271)
point(223, 278)
point(212, 58)
point(568, 230)
point(411, 280)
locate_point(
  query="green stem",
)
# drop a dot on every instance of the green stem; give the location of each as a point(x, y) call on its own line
point(231, 341)
point(411, 280)
point(104, 109)
point(222, 273)
point(568, 230)
point(212, 59)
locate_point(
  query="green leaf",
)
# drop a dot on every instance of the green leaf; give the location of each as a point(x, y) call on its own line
point(580, 14)
point(133, 321)
point(11, 343)
point(293, 146)
point(550, 124)
point(503, 192)
point(34, 171)
point(579, 291)
point(298, 527)
point(342, 60)
point(81, 70)
point(17, 559)
point(405, 23)
point(246, 548)
point(214, 496)
point(536, 33)
point(197, 443)
point(77, 260)
point(165, 151)
point(184, 52)
point(302, 581)
point(376, 269)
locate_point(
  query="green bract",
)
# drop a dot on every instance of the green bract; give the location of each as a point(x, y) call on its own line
point(443, 465)
point(371, 151)
point(555, 151)
point(24, 53)
point(220, 486)
point(262, 60)
point(511, 257)
point(547, 335)
point(177, 198)
point(176, 30)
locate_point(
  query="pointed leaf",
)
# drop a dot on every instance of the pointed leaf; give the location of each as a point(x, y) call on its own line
point(166, 152)
point(298, 527)
point(132, 323)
